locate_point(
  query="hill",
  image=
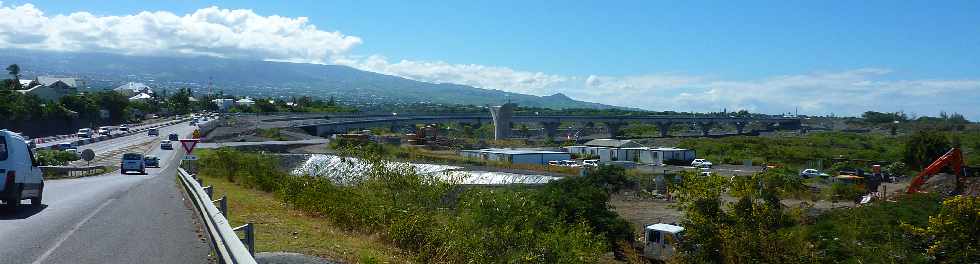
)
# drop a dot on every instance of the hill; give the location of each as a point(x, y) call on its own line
point(264, 78)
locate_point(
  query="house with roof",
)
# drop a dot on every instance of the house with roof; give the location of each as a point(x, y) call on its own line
point(133, 89)
point(50, 88)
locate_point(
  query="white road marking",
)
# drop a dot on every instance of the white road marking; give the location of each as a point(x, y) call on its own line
point(71, 231)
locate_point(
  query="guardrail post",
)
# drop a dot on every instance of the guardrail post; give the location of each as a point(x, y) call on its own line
point(223, 205)
point(209, 190)
point(249, 240)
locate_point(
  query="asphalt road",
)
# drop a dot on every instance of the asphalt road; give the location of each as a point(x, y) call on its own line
point(110, 218)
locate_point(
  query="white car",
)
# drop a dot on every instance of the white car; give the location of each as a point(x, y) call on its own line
point(701, 163)
point(84, 133)
point(20, 177)
point(590, 163)
point(132, 162)
point(810, 173)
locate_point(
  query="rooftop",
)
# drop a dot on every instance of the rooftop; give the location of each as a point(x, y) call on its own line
point(612, 143)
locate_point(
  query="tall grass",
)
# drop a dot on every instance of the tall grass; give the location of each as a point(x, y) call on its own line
point(567, 221)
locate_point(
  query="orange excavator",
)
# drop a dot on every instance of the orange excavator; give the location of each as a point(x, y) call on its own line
point(953, 158)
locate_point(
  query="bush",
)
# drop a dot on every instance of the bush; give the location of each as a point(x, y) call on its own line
point(567, 221)
point(55, 157)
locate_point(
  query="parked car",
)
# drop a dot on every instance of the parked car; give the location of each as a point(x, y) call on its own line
point(104, 131)
point(20, 177)
point(63, 146)
point(124, 128)
point(590, 163)
point(153, 132)
point(166, 144)
point(810, 173)
point(132, 162)
point(73, 150)
point(84, 133)
point(173, 137)
point(701, 163)
point(151, 161)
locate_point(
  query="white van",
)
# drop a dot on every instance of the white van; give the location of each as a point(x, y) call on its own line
point(20, 177)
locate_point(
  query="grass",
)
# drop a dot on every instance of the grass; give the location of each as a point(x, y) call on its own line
point(281, 228)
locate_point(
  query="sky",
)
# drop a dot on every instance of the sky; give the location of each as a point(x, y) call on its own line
point(818, 57)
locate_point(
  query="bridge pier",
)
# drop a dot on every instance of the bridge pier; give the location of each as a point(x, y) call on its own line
point(706, 128)
point(502, 116)
point(550, 128)
point(613, 128)
point(664, 128)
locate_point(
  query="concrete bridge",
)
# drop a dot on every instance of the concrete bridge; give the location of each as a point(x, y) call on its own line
point(503, 121)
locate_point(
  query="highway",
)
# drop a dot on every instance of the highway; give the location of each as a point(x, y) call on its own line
point(109, 218)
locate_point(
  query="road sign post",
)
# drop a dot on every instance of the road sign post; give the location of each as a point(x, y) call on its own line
point(188, 144)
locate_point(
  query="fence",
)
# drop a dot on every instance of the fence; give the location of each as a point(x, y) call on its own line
point(225, 243)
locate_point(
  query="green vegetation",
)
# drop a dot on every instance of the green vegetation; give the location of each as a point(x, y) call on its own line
point(271, 133)
point(283, 228)
point(296, 104)
point(954, 231)
point(566, 221)
point(757, 228)
point(827, 146)
point(55, 157)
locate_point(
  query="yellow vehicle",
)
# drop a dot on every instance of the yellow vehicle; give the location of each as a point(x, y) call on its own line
point(856, 181)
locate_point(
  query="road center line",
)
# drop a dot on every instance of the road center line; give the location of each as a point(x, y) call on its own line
point(64, 237)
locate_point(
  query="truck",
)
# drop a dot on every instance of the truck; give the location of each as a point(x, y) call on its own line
point(20, 176)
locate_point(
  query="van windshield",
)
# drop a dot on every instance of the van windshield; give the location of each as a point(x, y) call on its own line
point(3, 148)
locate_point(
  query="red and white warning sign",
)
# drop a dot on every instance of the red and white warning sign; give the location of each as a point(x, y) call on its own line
point(189, 145)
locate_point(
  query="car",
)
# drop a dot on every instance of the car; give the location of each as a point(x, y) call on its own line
point(73, 150)
point(124, 128)
point(173, 137)
point(104, 131)
point(84, 133)
point(20, 176)
point(166, 144)
point(193, 123)
point(701, 163)
point(153, 132)
point(132, 162)
point(151, 161)
point(590, 163)
point(810, 173)
point(63, 146)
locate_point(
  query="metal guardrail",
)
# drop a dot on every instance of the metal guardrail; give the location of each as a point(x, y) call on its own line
point(224, 241)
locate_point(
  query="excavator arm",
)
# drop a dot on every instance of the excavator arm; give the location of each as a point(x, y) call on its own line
point(953, 158)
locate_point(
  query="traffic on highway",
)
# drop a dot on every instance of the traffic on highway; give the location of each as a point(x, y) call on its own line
point(132, 214)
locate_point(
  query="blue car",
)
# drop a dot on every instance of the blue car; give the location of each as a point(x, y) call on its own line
point(151, 162)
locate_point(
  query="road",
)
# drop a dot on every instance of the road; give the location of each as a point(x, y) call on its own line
point(110, 218)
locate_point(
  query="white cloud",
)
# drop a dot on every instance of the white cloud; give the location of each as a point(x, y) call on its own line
point(209, 31)
point(242, 33)
point(490, 77)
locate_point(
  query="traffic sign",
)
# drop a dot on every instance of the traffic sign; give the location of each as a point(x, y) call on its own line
point(190, 157)
point(189, 144)
point(197, 133)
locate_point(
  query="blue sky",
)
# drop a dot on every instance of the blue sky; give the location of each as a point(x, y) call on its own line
point(689, 55)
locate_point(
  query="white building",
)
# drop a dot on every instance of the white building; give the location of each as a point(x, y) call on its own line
point(517, 156)
point(611, 150)
point(245, 102)
point(133, 89)
point(224, 104)
point(50, 88)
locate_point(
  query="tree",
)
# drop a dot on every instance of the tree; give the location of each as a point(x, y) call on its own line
point(14, 71)
point(925, 146)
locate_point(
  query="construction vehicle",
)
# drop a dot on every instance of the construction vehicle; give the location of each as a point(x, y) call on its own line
point(954, 159)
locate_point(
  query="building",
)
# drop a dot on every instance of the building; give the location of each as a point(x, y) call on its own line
point(133, 89)
point(517, 156)
point(143, 97)
point(613, 143)
point(245, 102)
point(224, 104)
point(611, 150)
point(676, 155)
point(50, 88)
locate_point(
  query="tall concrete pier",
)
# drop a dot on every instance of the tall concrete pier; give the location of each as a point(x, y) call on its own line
point(502, 116)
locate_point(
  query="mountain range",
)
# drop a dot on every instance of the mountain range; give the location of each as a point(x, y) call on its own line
point(265, 78)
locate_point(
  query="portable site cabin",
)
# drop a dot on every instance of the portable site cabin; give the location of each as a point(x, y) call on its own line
point(659, 241)
point(517, 156)
point(676, 155)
